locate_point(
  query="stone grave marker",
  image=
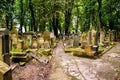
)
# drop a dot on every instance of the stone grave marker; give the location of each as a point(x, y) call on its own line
point(46, 36)
point(52, 39)
point(5, 71)
point(28, 37)
point(4, 46)
point(14, 37)
point(76, 40)
point(34, 42)
point(68, 42)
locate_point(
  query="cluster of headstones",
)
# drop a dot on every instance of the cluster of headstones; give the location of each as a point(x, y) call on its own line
point(32, 40)
point(86, 41)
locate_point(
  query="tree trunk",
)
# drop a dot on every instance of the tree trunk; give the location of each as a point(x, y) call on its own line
point(99, 22)
point(21, 15)
point(77, 26)
point(7, 21)
point(55, 24)
point(33, 16)
point(68, 13)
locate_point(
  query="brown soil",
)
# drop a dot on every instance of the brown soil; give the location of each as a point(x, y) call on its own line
point(33, 70)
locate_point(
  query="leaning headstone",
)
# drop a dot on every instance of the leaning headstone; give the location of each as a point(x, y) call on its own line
point(5, 71)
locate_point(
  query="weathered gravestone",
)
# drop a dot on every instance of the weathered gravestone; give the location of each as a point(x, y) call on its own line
point(4, 46)
point(46, 36)
point(68, 42)
point(27, 38)
point(52, 39)
point(76, 40)
point(5, 71)
point(13, 37)
point(34, 42)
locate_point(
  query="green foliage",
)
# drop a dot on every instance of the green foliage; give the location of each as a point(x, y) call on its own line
point(84, 14)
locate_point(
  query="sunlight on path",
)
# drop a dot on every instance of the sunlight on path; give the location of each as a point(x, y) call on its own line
point(78, 68)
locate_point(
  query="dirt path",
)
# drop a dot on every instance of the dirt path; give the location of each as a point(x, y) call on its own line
point(33, 70)
point(69, 67)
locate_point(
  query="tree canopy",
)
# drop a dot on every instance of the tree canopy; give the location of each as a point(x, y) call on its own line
point(60, 16)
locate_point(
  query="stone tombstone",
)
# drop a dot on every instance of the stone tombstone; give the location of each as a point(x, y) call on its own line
point(68, 42)
point(102, 36)
point(34, 42)
point(14, 37)
point(46, 36)
point(110, 35)
point(52, 39)
point(29, 37)
point(40, 42)
point(5, 71)
point(4, 45)
point(83, 37)
point(76, 40)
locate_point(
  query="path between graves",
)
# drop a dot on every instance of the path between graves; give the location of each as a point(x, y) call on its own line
point(67, 67)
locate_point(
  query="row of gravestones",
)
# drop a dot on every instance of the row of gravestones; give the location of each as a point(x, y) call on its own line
point(89, 38)
point(32, 40)
point(87, 41)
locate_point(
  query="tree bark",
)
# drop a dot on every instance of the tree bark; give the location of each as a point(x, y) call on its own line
point(99, 22)
point(33, 16)
point(68, 13)
point(21, 15)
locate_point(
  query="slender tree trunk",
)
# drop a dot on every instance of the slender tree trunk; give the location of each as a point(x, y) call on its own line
point(21, 15)
point(77, 26)
point(68, 13)
point(7, 21)
point(50, 22)
point(55, 24)
point(99, 22)
point(33, 16)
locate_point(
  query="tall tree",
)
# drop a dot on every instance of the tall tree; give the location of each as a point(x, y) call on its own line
point(33, 24)
point(68, 12)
